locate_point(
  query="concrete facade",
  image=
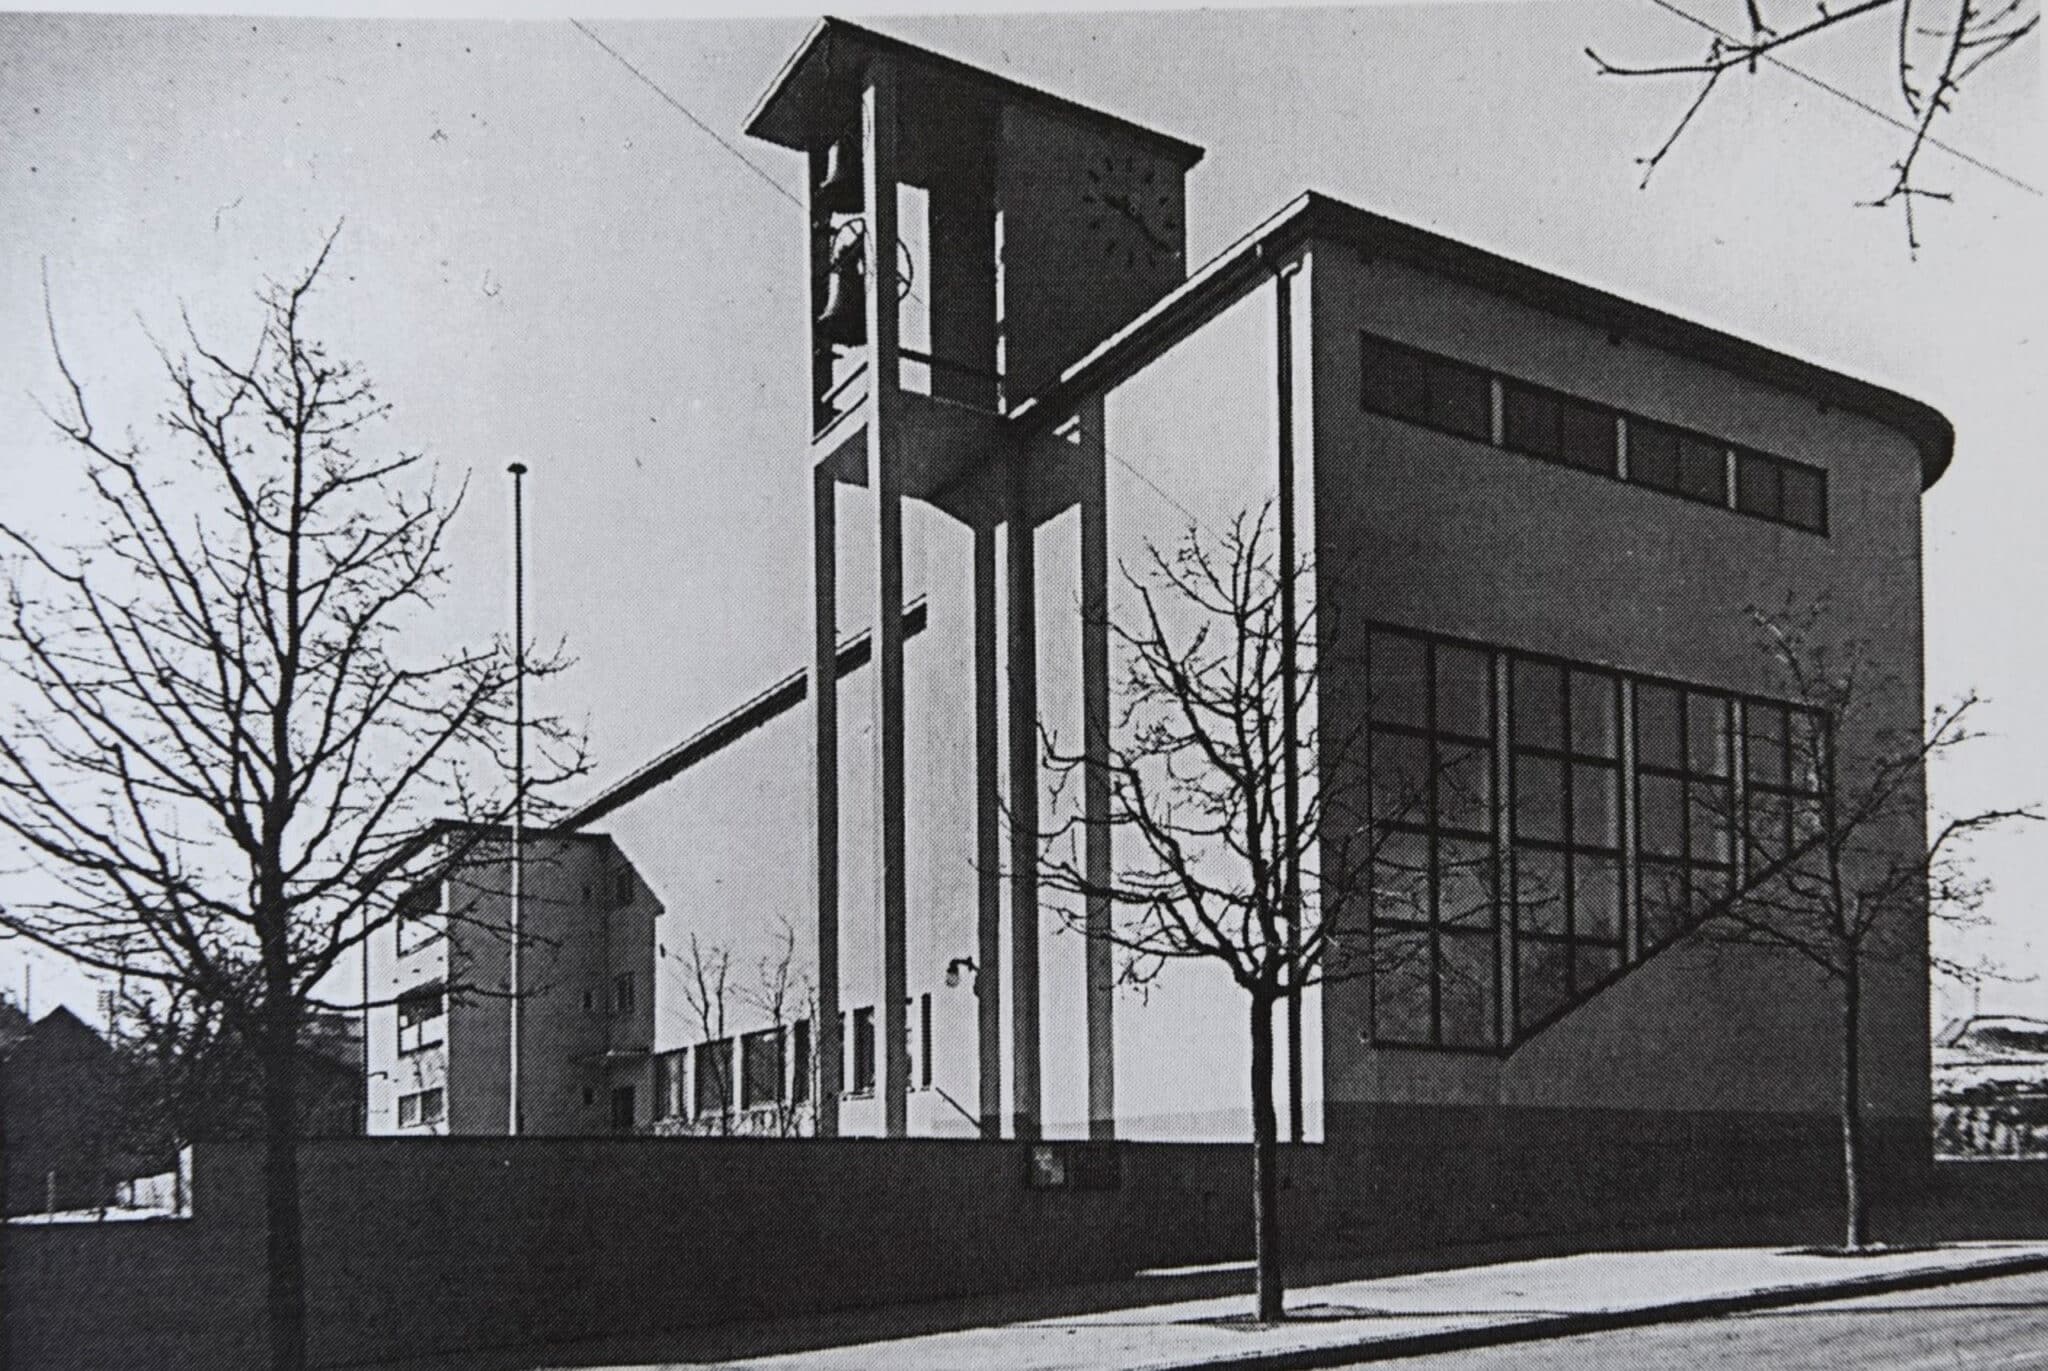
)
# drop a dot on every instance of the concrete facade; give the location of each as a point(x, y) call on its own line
point(440, 981)
point(894, 806)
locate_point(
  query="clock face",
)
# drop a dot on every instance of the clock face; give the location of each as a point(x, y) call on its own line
point(1129, 213)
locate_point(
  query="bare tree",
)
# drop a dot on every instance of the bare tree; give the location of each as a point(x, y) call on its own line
point(221, 756)
point(707, 991)
point(1209, 867)
point(1934, 49)
point(783, 995)
point(1838, 867)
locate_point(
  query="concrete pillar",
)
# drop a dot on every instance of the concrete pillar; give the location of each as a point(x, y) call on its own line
point(1026, 1102)
point(1290, 722)
point(988, 843)
point(885, 479)
point(1100, 953)
point(824, 686)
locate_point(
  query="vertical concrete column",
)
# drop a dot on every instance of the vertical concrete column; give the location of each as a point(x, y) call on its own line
point(1026, 1105)
point(988, 840)
point(1100, 953)
point(1290, 687)
point(885, 479)
point(825, 789)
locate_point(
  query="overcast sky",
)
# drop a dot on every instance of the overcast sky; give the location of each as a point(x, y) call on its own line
point(543, 260)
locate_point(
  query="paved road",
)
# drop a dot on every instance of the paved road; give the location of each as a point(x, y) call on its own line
point(1993, 1323)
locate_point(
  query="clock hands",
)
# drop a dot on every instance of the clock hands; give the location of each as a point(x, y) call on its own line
point(1127, 207)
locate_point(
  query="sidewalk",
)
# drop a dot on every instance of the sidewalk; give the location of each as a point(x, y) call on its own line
point(1350, 1321)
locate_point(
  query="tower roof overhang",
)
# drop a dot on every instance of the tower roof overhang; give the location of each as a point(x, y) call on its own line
point(802, 108)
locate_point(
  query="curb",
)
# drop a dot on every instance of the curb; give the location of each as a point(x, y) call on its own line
point(1548, 1326)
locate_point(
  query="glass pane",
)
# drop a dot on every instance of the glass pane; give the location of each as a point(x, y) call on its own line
point(1542, 980)
point(1806, 500)
point(1660, 828)
point(1400, 991)
point(1531, 420)
point(1400, 680)
point(1596, 806)
point(1712, 808)
point(1539, 798)
point(1465, 990)
point(1539, 890)
point(1400, 878)
point(1658, 736)
point(1400, 778)
point(1464, 787)
point(1538, 690)
point(1764, 742)
point(1464, 691)
point(1710, 888)
point(1396, 382)
point(1706, 733)
point(1596, 897)
point(1663, 912)
point(1595, 964)
point(1464, 884)
point(1595, 708)
point(1461, 401)
point(1766, 837)
point(1653, 456)
point(1702, 470)
point(1809, 750)
point(1586, 438)
point(1756, 486)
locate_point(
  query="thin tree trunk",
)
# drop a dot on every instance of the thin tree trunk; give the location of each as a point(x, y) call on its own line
point(1265, 1167)
point(286, 1302)
point(1854, 1207)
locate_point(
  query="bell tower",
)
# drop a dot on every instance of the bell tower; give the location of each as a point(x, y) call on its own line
point(970, 238)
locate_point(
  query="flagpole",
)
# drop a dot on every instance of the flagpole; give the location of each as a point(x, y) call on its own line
point(518, 470)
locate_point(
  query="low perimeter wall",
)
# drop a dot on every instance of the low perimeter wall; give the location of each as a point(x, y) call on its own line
point(421, 1246)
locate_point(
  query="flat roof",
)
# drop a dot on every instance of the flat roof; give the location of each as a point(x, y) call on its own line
point(784, 112)
point(1315, 216)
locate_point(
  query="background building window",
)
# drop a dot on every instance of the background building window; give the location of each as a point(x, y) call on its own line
point(800, 1061)
point(422, 1018)
point(421, 916)
point(1431, 816)
point(1402, 383)
point(420, 1109)
point(1685, 807)
point(863, 1037)
point(623, 1109)
point(761, 1068)
point(713, 1092)
point(622, 993)
point(1566, 835)
point(669, 1071)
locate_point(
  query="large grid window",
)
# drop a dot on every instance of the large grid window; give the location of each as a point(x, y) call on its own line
point(1783, 762)
point(1568, 872)
point(1432, 815)
point(1519, 867)
point(863, 1050)
point(1685, 807)
point(1403, 383)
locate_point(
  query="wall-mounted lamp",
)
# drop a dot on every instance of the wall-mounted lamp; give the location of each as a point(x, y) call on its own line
point(956, 966)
